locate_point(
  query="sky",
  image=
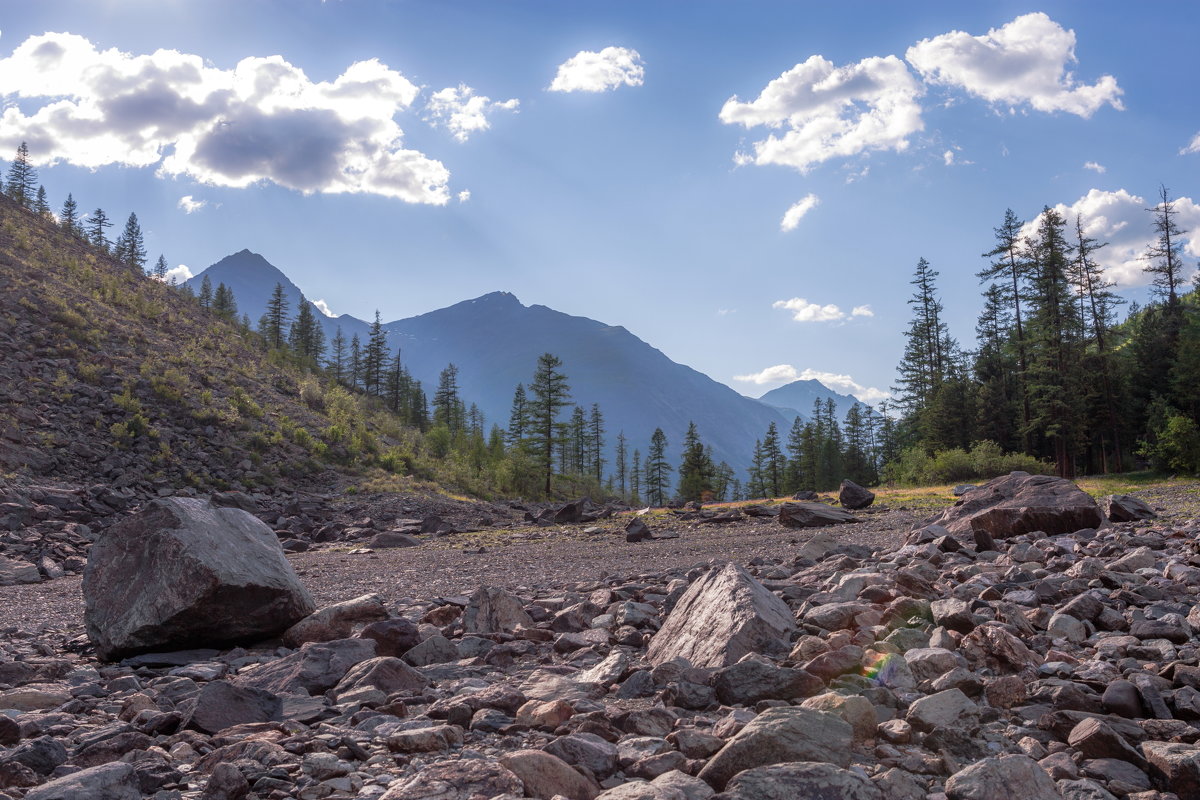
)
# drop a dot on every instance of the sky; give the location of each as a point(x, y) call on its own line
point(746, 186)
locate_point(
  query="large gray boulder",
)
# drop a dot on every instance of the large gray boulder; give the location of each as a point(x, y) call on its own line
point(493, 610)
point(813, 515)
point(185, 573)
point(1020, 503)
point(1002, 778)
point(114, 781)
point(316, 668)
point(780, 735)
point(851, 495)
point(800, 779)
point(724, 615)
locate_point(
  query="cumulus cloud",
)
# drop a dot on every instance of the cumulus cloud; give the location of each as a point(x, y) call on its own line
point(1024, 61)
point(179, 274)
point(804, 311)
point(262, 120)
point(1121, 219)
point(1095, 167)
point(793, 215)
point(588, 71)
point(323, 307)
point(785, 373)
point(464, 195)
point(1192, 147)
point(462, 112)
point(190, 204)
point(823, 112)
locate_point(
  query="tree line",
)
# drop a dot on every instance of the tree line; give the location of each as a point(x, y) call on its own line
point(1054, 375)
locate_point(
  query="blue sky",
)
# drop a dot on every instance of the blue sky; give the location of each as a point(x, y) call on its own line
point(746, 186)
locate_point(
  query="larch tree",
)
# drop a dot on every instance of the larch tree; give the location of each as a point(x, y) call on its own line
point(595, 435)
point(68, 218)
point(22, 181)
point(696, 470)
point(96, 224)
point(658, 471)
point(276, 319)
point(551, 393)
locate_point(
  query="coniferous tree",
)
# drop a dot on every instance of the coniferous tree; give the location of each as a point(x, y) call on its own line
point(22, 182)
point(595, 435)
point(276, 319)
point(374, 358)
point(223, 305)
point(551, 393)
point(518, 417)
point(306, 339)
point(355, 363)
point(97, 222)
point(338, 356)
point(41, 206)
point(132, 251)
point(577, 442)
point(68, 218)
point(773, 462)
point(1012, 267)
point(755, 485)
point(447, 404)
point(696, 470)
point(160, 270)
point(927, 344)
point(205, 296)
point(657, 470)
point(856, 460)
point(997, 372)
point(622, 465)
point(1164, 258)
point(635, 478)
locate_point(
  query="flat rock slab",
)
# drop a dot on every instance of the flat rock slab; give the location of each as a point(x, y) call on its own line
point(185, 573)
point(780, 735)
point(813, 515)
point(1020, 503)
point(802, 779)
point(722, 616)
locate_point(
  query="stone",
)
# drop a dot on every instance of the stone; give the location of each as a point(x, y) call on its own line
point(585, 750)
point(802, 779)
point(184, 573)
point(813, 515)
point(226, 782)
point(42, 754)
point(544, 714)
point(721, 617)
point(1174, 767)
point(943, 709)
point(492, 610)
point(115, 781)
point(10, 731)
point(780, 735)
point(637, 531)
point(854, 709)
point(34, 697)
point(336, 621)
point(1122, 697)
point(853, 496)
point(392, 637)
point(384, 673)
point(1094, 739)
point(545, 775)
point(1020, 503)
point(990, 646)
point(389, 540)
point(426, 740)
point(468, 779)
point(436, 649)
point(756, 678)
point(315, 668)
point(1125, 508)
point(222, 705)
point(14, 572)
point(954, 614)
point(1002, 778)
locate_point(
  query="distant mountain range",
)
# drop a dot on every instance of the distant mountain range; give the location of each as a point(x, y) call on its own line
point(495, 341)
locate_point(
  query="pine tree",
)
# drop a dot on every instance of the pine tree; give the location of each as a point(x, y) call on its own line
point(447, 405)
point(355, 363)
point(133, 249)
point(22, 178)
point(68, 218)
point(657, 469)
point(41, 206)
point(755, 487)
point(1012, 265)
point(551, 393)
point(205, 297)
point(337, 358)
point(927, 344)
point(635, 478)
point(856, 460)
point(622, 465)
point(1164, 258)
point(518, 417)
point(696, 470)
point(276, 318)
point(224, 305)
point(996, 373)
point(160, 269)
point(794, 477)
point(374, 358)
point(96, 225)
point(773, 462)
point(577, 442)
point(306, 339)
point(595, 435)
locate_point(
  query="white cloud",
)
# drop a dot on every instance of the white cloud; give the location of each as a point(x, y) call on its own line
point(190, 204)
point(178, 274)
point(793, 215)
point(725, 312)
point(464, 195)
point(323, 307)
point(1192, 147)
point(1024, 61)
point(1095, 167)
point(781, 374)
point(262, 120)
point(462, 112)
point(829, 112)
point(1121, 219)
point(588, 71)
point(804, 311)
point(948, 158)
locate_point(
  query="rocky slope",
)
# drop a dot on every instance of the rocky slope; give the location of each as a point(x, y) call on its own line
point(1045, 666)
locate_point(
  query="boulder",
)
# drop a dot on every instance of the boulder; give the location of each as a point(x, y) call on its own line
point(851, 495)
point(115, 781)
point(222, 705)
point(1173, 767)
point(336, 621)
point(545, 775)
point(724, 615)
point(1002, 778)
point(387, 674)
point(756, 678)
point(492, 610)
point(13, 572)
point(388, 540)
point(813, 515)
point(781, 735)
point(183, 573)
point(1020, 503)
point(637, 531)
point(805, 779)
point(392, 637)
point(468, 779)
point(1125, 508)
point(316, 668)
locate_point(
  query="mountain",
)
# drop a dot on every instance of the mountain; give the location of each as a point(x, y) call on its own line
point(796, 399)
point(495, 341)
point(252, 279)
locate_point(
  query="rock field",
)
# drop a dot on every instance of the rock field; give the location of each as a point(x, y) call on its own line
point(974, 656)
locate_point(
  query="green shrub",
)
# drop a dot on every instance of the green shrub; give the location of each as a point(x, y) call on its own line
point(985, 460)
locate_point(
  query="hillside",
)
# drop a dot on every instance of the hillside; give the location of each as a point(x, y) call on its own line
point(495, 341)
point(107, 376)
